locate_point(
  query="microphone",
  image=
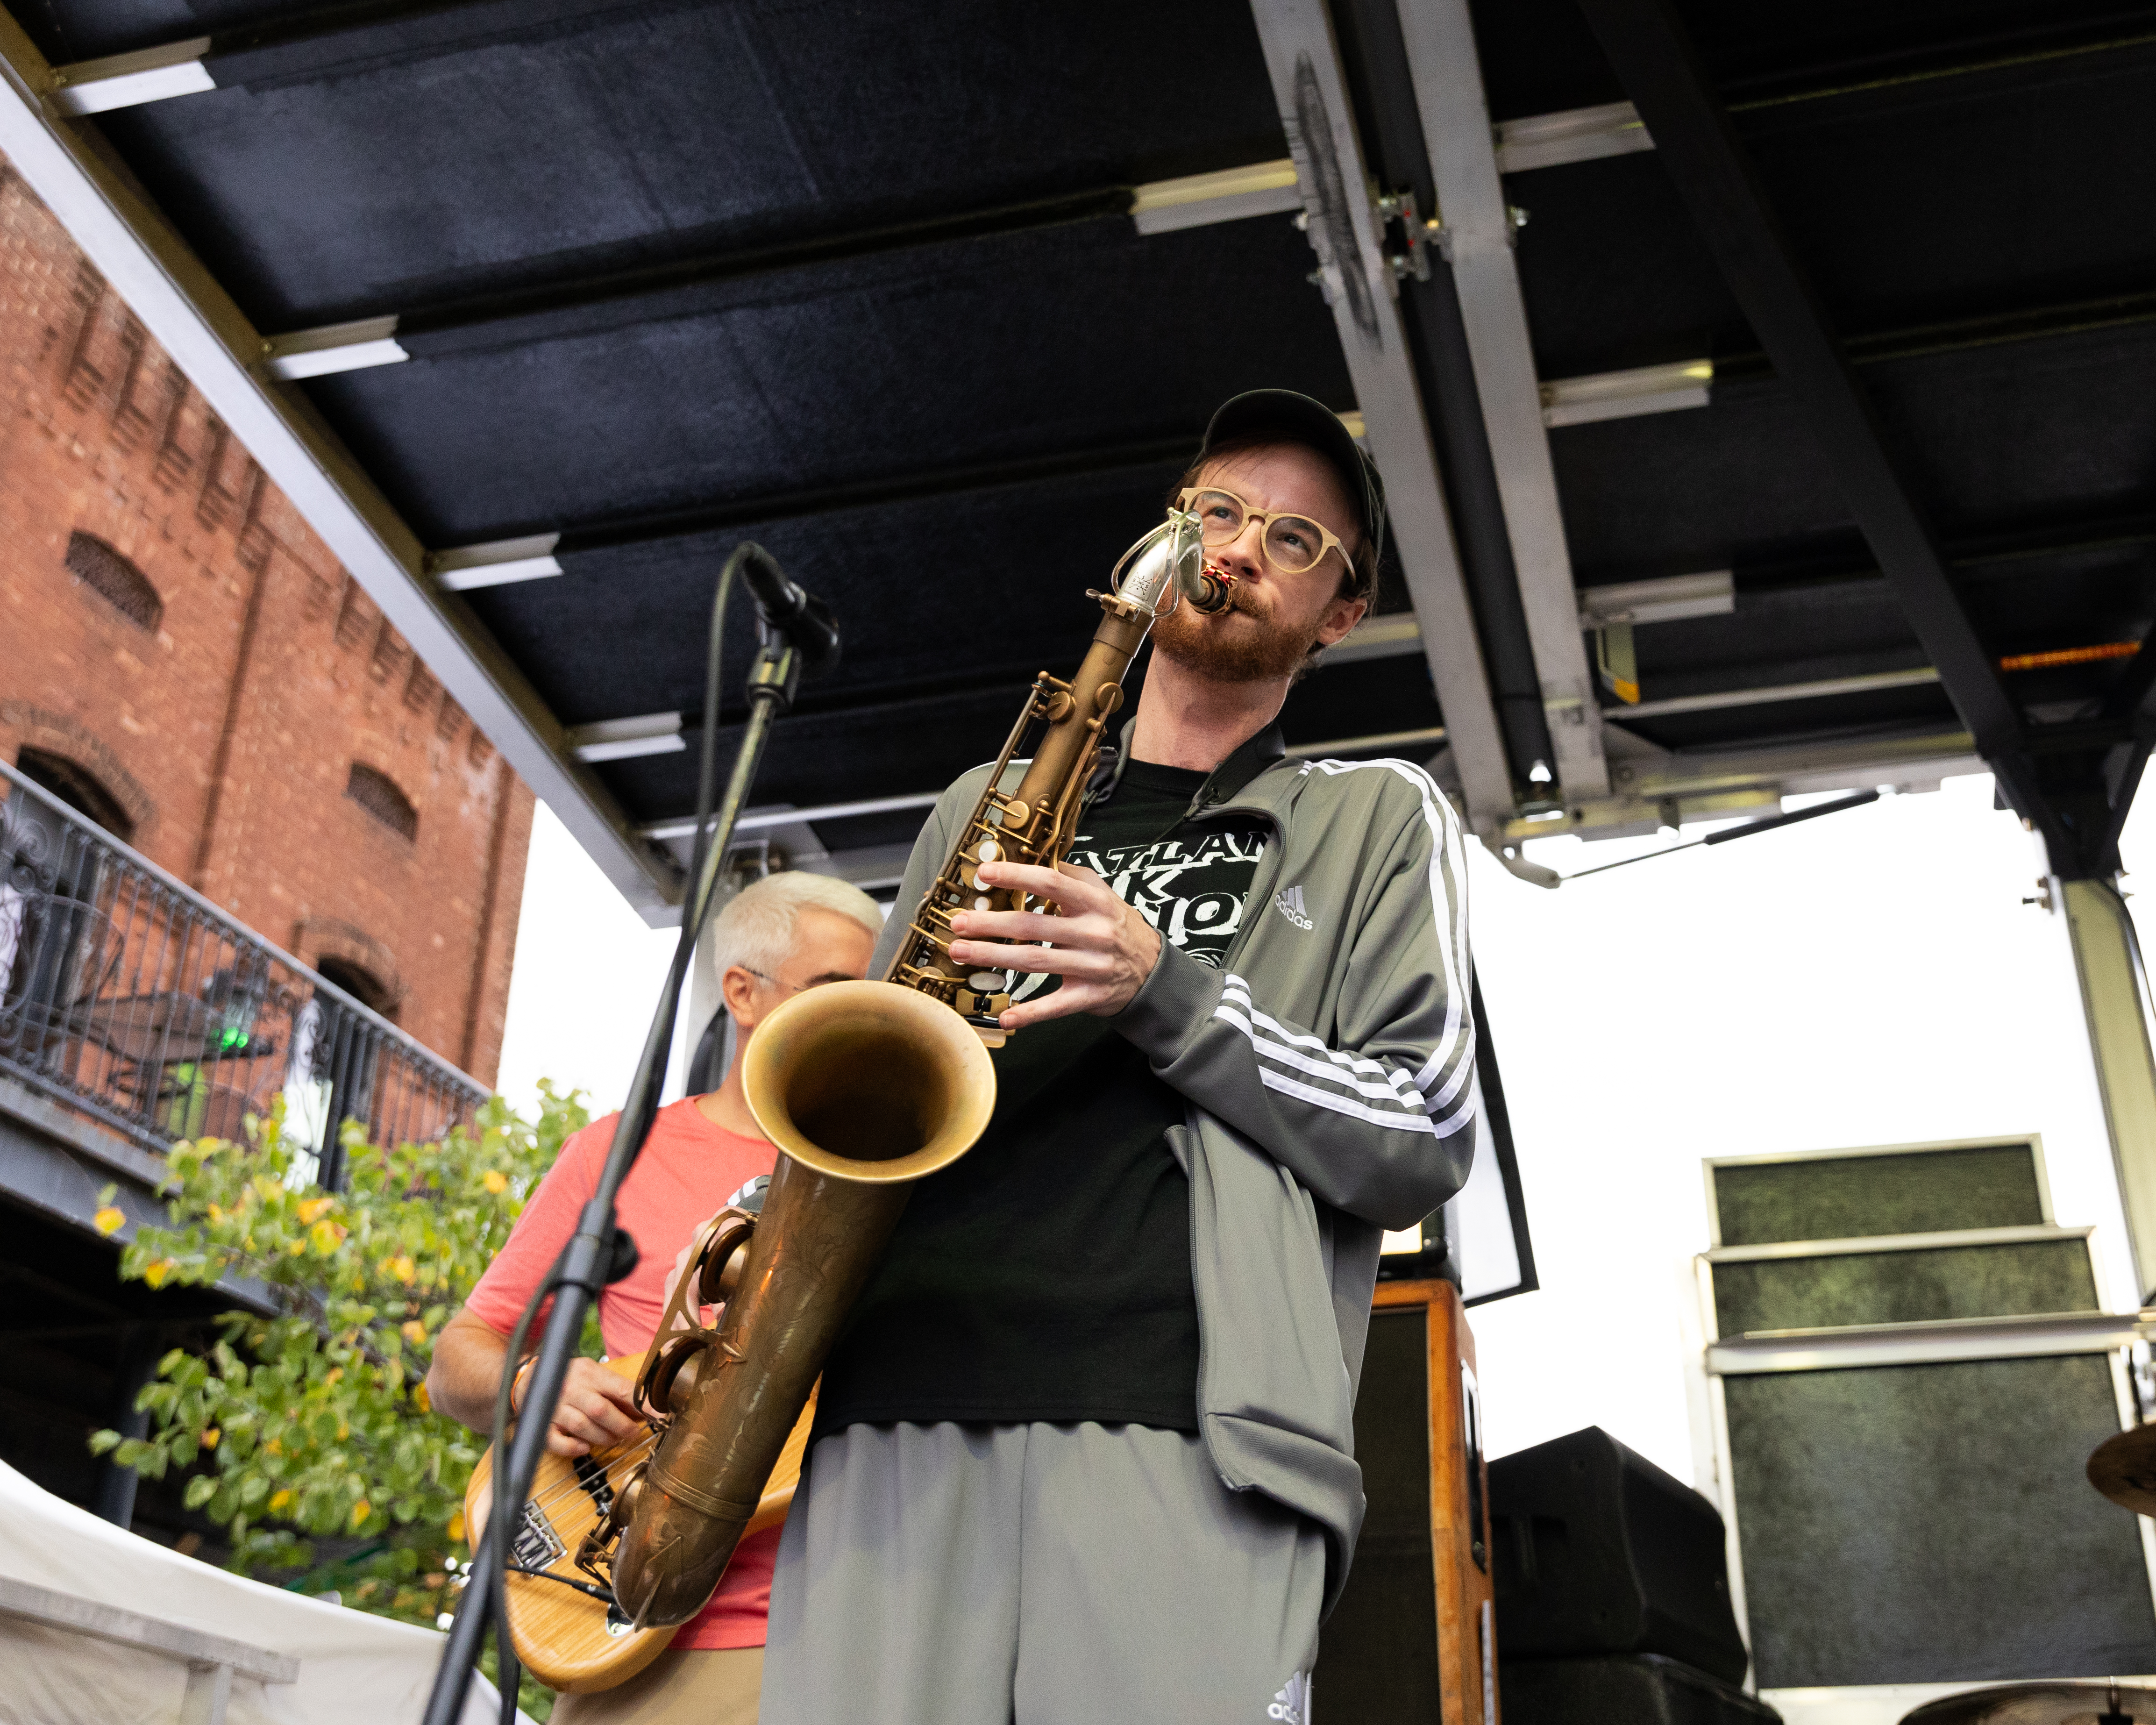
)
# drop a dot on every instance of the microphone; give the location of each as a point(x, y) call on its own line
point(801, 617)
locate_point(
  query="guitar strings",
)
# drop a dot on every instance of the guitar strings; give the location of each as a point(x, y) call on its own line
point(566, 1492)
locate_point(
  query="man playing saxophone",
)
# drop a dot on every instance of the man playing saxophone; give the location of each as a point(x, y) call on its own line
point(1084, 1450)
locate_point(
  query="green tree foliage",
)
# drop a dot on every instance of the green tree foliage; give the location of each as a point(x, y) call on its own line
point(313, 1424)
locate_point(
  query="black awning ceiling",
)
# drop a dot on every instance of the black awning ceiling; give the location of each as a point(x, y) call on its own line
point(864, 284)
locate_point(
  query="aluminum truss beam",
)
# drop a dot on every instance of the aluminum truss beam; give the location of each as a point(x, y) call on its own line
point(2116, 1003)
point(198, 324)
point(1655, 787)
point(1477, 236)
point(1699, 148)
point(1358, 280)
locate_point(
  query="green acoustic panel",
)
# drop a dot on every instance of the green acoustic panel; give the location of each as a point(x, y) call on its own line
point(1932, 1523)
point(1903, 1287)
point(1855, 1197)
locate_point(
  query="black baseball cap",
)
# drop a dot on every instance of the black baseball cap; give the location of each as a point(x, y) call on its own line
point(1297, 418)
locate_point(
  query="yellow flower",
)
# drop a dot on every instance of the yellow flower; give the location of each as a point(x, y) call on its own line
point(456, 1527)
point(325, 1236)
point(108, 1219)
point(361, 1510)
point(211, 1434)
point(425, 1403)
point(313, 1207)
point(155, 1274)
point(332, 1375)
point(278, 1500)
point(415, 1332)
point(271, 1446)
point(297, 1247)
point(496, 1182)
point(403, 1269)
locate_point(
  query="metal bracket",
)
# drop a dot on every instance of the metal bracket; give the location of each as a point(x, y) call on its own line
point(1411, 256)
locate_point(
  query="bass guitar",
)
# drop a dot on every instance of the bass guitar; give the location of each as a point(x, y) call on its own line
point(562, 1618)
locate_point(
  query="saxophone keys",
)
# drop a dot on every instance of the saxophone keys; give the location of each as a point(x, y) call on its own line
point(1108, 698)
point(1058, 707)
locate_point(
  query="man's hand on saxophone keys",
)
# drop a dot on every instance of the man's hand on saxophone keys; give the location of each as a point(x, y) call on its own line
point(1101, 948)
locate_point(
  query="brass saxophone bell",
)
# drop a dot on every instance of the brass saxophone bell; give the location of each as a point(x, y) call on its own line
point(865, 1087)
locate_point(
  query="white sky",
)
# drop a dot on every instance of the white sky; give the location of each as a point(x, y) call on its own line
point(1871, 977)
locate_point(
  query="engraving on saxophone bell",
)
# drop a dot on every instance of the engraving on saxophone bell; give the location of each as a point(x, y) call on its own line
point(864, 1088)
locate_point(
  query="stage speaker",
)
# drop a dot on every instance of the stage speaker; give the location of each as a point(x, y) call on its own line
point(1908, 1368)
point(1597, 1551)
point(1634, 1689)
point(1412, 1640)
point(1931, 1522)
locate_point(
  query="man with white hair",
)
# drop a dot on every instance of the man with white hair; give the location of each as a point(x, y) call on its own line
point(785, 933)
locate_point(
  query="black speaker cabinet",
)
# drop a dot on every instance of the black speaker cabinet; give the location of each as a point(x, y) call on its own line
point(1633, 1689)
point(1413, 1640)
point(1599, 1552)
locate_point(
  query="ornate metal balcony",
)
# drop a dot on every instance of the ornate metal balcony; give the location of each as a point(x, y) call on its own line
point(131, 997)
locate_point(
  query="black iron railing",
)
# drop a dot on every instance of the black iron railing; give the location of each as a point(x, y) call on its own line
point(132, 997)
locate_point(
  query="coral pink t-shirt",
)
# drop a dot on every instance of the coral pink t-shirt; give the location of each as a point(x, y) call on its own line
point(688, 1170)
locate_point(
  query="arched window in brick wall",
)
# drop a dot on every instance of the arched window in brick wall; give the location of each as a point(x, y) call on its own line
point(361, 984)
point(377, 792)
point(109, 575)
point(76, 785)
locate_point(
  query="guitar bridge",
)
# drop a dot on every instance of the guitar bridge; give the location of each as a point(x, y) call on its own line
point(534, 1545)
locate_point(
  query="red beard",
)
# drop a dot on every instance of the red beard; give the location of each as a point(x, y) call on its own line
point(1258, 650)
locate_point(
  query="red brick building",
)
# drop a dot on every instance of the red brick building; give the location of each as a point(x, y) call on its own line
point(181, 656)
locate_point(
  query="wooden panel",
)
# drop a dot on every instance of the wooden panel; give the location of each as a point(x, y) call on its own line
point(1405, 1645)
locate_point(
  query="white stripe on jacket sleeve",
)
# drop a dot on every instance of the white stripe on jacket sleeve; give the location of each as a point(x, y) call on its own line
point(1453, 1106)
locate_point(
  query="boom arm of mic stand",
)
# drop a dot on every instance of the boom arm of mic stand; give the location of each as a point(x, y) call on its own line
point(590, 1252)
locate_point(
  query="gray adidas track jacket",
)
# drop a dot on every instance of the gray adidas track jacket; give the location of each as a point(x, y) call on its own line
point(1329, 1068)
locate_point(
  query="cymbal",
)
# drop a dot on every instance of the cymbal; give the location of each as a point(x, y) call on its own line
point(2124, 1468)
point(2040, 1704)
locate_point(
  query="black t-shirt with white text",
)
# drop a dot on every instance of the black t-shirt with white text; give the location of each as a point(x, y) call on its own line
point(1046, 1275)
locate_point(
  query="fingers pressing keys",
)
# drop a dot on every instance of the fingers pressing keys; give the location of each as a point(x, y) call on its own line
point(1102, 949)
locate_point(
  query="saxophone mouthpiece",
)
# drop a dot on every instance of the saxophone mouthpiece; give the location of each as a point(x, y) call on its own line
point(1161, 566)
point(1212, 592)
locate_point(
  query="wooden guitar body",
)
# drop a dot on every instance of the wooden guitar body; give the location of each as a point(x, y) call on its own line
point(569, 1639)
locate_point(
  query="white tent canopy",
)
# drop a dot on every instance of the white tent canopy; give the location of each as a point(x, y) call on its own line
point(353, 1669)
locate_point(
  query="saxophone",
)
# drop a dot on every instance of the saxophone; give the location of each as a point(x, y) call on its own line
point(864, 1087)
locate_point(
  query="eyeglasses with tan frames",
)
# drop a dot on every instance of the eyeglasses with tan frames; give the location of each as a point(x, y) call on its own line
point(1291, 543)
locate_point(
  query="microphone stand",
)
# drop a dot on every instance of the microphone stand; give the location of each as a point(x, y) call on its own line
point(594, 1257)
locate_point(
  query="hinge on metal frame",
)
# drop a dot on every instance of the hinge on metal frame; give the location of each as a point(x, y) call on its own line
point(1411, 254)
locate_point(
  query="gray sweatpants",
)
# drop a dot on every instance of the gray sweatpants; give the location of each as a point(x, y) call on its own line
point(1037, 1575)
